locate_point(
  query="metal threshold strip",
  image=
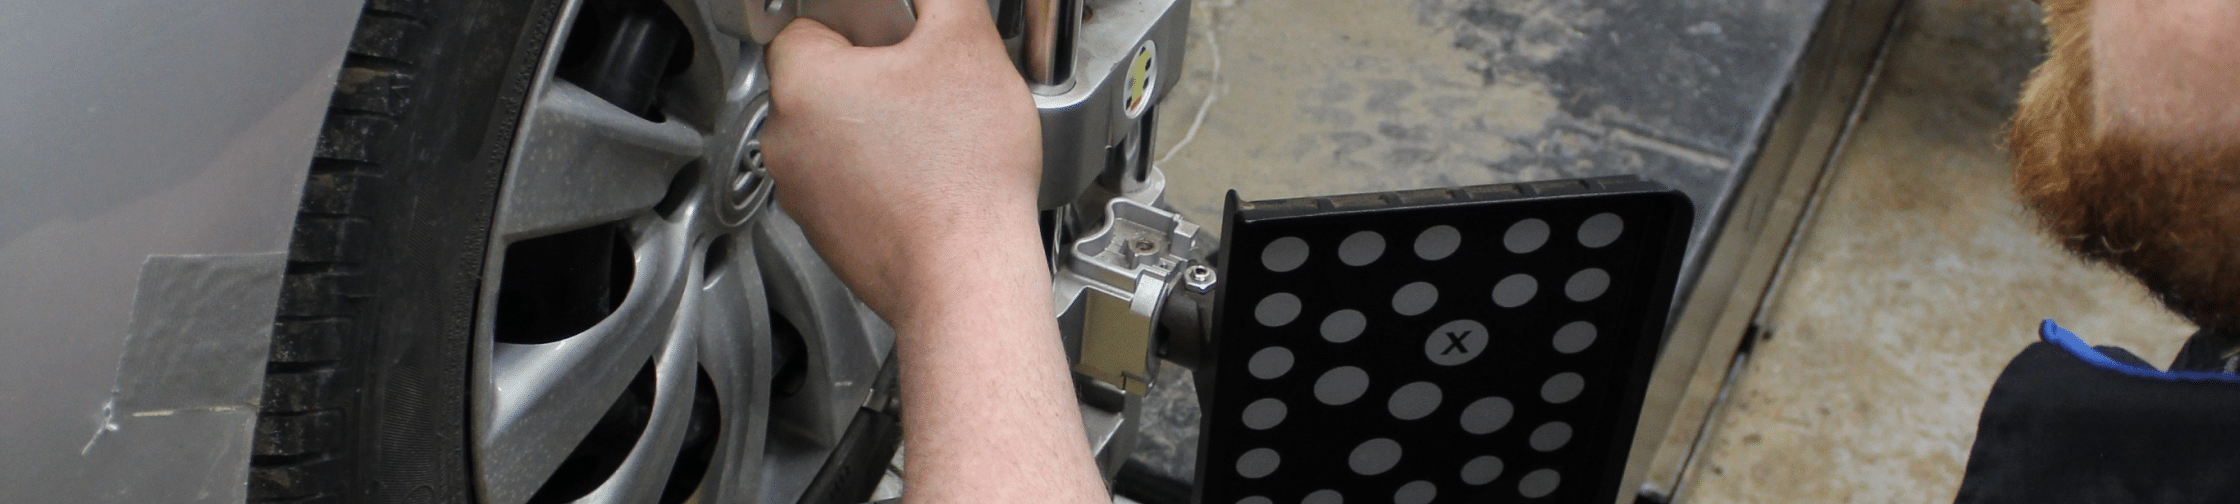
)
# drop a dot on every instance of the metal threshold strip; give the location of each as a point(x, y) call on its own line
point(1721, 314)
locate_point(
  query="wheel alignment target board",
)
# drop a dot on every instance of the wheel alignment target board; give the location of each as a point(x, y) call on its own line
point(1479, 344)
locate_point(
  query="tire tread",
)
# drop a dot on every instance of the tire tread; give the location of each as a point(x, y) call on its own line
point(299, 431)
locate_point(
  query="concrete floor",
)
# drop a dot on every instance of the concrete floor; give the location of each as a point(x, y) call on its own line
point(1323, 97)
point(1333, 97)
point(1308, 98)
point(1919, 278)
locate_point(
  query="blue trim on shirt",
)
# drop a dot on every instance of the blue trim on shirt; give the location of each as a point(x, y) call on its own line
point(2069, 342)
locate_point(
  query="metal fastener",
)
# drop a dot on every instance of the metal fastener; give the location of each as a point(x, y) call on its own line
point(1145, 246)
point(1198, 278)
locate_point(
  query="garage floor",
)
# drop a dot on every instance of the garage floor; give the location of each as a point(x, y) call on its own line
point(1918, 278)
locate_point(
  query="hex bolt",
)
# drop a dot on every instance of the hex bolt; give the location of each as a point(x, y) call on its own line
point(1198, 278)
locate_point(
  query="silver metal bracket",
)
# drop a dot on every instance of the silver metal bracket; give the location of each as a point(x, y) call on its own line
point(1124, 59)
point(1112, 285)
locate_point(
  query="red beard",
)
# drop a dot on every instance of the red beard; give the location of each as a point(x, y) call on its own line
point(2165, 212)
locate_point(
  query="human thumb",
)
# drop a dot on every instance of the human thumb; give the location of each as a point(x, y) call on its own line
point(804, 40)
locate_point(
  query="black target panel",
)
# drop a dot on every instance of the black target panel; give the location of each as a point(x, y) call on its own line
point(1481, 344)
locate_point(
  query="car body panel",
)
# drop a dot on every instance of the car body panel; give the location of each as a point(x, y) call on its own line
point(134, 130)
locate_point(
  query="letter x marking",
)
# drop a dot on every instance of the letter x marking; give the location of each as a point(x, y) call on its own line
point(1454, 342)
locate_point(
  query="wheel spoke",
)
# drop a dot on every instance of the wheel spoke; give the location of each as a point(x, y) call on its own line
point(844, 340)
point(844, 345)
point(582, 161)
point(735, 350)
point(645, 472)
point(700, 89)
point(548, 396)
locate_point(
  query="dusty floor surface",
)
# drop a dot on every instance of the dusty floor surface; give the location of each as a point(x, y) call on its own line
point(1322, 97)
point(1920, 278)
point(1287, 98)
point(1315, 98)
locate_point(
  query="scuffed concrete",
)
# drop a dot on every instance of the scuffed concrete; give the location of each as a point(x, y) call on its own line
point(1169, 442)
point(1342, 98)
point(1326, 97)
point(1321, 97)
point(1920, 277)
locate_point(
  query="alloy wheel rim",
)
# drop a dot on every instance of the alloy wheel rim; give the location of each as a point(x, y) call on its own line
point(714, 285)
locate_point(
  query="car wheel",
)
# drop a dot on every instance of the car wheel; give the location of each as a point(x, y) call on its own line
point(535, 262)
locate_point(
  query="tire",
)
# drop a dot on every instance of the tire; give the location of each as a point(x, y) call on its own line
point(414, 289)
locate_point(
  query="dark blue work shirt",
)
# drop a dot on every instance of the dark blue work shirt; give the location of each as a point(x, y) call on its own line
point(2071, 423)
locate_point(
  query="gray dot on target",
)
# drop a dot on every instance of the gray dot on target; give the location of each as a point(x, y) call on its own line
point(1255, 500)
point(1539, 483)
point(1284, 254)
point(1587, 284)
point(1414, 400)
point(1265, 413)
point(1574, 337)
point(1601, 230)
point(1361, 249)
point(1515, 290)
point(1438, 242)
point(1487, 415)
point(1550, 436)
point(1481, 470)
point(1563, 387)
point(1343, 326)
point(1374, 457)
point(1455, 343)
point(1415, 298)
point(1416, 492)
point(1525, 236)
point(1258, 462)
point(1340, 386)
point(1324, 496)
point(1276, 309)
point(1269, 363)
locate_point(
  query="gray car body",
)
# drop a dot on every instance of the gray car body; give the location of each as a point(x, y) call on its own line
point(151, 157)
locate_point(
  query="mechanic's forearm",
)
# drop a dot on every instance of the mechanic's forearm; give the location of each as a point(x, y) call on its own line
point(988, 407)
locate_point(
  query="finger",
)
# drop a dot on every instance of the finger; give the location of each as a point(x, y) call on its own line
point(804, 40)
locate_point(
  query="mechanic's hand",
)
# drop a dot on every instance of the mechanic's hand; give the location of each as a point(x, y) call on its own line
point(914, 169)
point(905, 162)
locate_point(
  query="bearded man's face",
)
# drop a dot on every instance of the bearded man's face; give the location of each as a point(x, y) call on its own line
point(2125, 144)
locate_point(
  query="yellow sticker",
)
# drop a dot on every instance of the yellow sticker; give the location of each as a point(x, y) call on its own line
point(1141, 76)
